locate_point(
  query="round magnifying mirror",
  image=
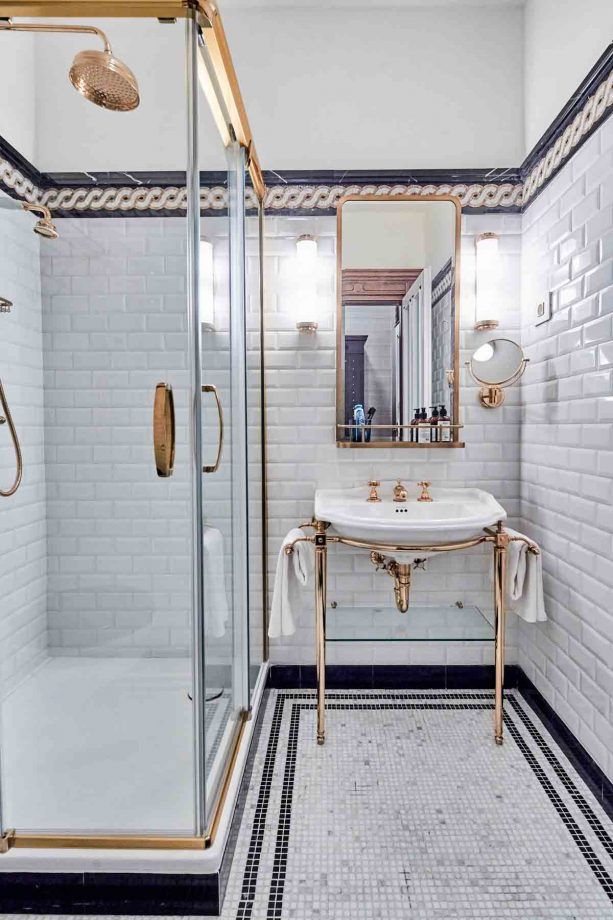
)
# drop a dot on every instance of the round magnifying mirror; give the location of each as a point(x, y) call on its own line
point(497, 362)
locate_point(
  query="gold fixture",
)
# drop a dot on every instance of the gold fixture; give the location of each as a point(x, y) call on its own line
point(400, 492)
point(484, 324)
point(5, 305)
point(373, 496)
point(307, 327)
point(99, 76)
point(452, 380)
point(44, 226)
point(210, 388)
point(425, 495)
point(7, 418)
point(498, 537)
point(401, 573)
point(495, 365)
point(164, 430)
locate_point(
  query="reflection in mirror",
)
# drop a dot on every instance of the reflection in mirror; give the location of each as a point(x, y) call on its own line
point(497, 361)
point(398, 261)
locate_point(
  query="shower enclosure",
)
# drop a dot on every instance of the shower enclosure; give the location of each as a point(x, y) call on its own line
point(131, 572)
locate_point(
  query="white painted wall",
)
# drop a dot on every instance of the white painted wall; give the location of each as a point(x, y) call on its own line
point(385, 88)
point(18, 70)
point(562, 41)
point(393, 88)
point(567, 441)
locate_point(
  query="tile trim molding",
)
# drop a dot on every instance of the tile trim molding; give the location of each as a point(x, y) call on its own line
point(318, 192)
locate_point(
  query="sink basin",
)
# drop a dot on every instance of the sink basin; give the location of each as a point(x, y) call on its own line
point(453, 515)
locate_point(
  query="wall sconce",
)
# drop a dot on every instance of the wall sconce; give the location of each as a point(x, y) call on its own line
point(487, 281)
point(306, 258)
point(207, 285)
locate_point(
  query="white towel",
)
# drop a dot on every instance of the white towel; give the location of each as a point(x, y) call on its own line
point(216, 609)
point(292, 571)
point(524, 588)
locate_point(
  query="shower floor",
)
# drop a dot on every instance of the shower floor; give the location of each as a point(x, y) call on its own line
point(105, 744)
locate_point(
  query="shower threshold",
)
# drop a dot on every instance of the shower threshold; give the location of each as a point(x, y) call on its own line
point(104, 746)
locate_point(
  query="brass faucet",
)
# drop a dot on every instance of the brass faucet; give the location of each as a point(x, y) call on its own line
point(400, 492)
point(425, 495)
point(373, 496)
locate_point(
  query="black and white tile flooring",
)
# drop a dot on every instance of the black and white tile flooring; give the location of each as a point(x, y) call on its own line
point(411, 811)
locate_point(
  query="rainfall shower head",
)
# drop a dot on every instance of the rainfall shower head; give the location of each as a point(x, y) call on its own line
point(104, 80)
point(98, 75)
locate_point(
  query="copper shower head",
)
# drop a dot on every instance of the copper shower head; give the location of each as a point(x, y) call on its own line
point(44, 226)
point(105, 80)
point(99, 76)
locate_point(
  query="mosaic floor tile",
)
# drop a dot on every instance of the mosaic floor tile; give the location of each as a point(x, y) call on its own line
point(411, 812)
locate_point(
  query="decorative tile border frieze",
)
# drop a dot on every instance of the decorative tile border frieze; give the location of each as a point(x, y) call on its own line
point(483, 191)
point(585, 121)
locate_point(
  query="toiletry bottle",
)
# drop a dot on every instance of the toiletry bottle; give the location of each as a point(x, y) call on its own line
point(359, 419)
point(424, 427)
point(434, 432)
point(444, 425)
point(414, 429)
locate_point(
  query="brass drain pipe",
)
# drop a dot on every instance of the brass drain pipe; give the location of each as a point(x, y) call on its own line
point(401, 573)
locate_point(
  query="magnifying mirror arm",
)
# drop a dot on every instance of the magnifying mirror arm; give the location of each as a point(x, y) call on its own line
point(491, 394)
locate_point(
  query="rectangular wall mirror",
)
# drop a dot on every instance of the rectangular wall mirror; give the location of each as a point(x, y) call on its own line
point(397, 378)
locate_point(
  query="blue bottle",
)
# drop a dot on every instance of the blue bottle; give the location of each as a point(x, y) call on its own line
point(359, 419)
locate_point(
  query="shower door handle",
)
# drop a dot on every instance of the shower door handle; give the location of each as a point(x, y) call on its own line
point(8, 419)
point(164, 430)
point(209, 388)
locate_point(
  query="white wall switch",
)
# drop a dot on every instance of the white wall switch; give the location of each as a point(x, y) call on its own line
point(543, 309)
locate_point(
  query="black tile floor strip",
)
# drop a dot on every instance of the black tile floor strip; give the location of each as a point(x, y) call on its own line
point(579, 800)
point(250, 875)
point(277, 884)
point(606, 881)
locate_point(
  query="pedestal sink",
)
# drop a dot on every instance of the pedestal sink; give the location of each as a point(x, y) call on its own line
point(452, 516)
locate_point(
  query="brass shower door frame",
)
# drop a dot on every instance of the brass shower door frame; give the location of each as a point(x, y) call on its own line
point(498, 538)
point(208, 18)
point(206, 15)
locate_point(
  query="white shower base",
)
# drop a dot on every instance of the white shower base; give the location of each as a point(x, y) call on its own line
point(104, 744)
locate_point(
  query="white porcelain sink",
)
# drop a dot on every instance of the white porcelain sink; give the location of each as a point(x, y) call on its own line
point(453, 515)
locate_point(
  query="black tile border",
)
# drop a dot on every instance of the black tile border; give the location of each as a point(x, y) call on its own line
point(418, 702)
point(405, 677)
point(139, 894)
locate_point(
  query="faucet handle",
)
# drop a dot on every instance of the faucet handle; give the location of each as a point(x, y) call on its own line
point(425, 495)
point(400, 492)
point(373, 496)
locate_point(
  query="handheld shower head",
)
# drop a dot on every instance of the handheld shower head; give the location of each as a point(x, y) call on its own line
point(98, 75)
point(44, 226)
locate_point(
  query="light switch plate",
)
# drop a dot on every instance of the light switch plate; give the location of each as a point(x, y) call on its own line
point(543, 309)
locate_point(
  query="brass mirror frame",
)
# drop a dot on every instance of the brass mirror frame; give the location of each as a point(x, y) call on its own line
point(453, 373)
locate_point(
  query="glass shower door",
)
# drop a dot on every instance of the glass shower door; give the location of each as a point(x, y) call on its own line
point(221, 306)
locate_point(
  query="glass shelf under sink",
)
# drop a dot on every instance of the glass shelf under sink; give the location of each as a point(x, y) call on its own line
point(419, 624)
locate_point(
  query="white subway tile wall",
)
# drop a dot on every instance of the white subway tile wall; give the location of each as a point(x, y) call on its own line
point(119, 537)
point(567, 440)
point(23, 563)
point(302, 454)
